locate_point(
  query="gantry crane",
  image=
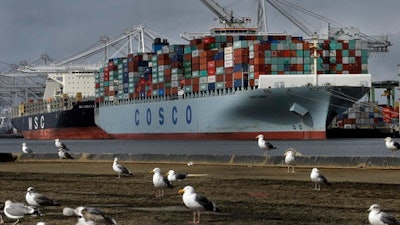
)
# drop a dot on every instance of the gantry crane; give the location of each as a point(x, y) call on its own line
point(375, 43)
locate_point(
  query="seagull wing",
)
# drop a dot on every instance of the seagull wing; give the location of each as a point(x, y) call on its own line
point(165, 179)
point(388, 219)
point(123, 169)
point(44, 200)
point(19, 209)
point(206, 204)
point(396, 144)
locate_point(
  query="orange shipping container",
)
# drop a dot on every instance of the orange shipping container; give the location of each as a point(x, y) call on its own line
point(237, 75)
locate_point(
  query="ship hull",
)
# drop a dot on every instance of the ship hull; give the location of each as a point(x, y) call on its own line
point(278, 113)
point(76, 123)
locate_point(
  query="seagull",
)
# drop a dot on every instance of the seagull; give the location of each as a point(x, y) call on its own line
point(160, 182)
point(25, 149)
point(290, 161)
point(59, 144)
point(377, 217)
point(36, 199)
point(89, 216)
point(120, 168)
point(392, 145)
point(197, 203)
point(16, 210)
point(264, 145)
point(173, 176)
point(63, 154)
point(318, 178)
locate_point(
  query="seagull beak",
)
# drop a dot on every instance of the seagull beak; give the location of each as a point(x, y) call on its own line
point(181, 191)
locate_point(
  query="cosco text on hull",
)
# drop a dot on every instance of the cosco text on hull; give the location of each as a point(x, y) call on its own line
point(163, 116)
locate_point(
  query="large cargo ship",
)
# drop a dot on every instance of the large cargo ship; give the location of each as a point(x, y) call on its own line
point(231, 84)
point(60, 114)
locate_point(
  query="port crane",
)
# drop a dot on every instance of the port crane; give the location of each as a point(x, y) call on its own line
point(226, 17)
point(35, 75)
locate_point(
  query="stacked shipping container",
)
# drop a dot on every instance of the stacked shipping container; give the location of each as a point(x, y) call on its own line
point(223, 62)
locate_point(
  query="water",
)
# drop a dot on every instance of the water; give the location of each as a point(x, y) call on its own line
point(374, 147)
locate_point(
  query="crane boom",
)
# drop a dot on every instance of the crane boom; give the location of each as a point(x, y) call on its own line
point(224, 15)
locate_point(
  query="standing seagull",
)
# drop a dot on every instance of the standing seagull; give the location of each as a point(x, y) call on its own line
point(173, 176)
point(63, 154)
point(89, 216)
point(392, 145)
point(377, 217)
point(197, 203)
point(16, 210)
point(59, 144)
point(36, 199)
point(290, 161)
point(25, 149)
point(117, 167)
point(264, 145)
point(160, 182)
point(317, 178)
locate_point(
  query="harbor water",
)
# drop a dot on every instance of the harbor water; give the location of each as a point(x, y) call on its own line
point(374, 147)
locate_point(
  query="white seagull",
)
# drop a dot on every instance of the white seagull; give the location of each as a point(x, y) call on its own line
point(36, 199)
point(89, 216)
point(392, 145)
point(16, 210)
point(117, 167)
point(264, 145)
point(25, 149)
point(59, 144)
point(377, 217)
point(317, 178)
point(173, 176)
point(160, 182)
point(63, 154)
point(197, 203)
point(290, 161)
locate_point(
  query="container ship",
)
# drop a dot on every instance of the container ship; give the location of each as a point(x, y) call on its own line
point(64, 112)
point(231, 84)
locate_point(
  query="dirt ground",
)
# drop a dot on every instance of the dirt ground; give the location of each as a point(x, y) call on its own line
point(245, 195)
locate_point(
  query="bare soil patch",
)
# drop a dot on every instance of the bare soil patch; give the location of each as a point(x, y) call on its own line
point(246, 195)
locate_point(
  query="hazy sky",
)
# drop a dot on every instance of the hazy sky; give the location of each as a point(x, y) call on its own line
point(62, 28)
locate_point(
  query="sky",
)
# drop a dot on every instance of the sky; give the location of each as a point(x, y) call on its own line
point(61, 29)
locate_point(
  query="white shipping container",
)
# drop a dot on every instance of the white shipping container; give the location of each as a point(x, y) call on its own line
point(174, 83)
point(251, 68)
point(211, 79)
point(228, 50)
point(174, 77)
point(251, 55)
point(228, 56)
point(203, 80)
point(228, 63)
point(195, 53)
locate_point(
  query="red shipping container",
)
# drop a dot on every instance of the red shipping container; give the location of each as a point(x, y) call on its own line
point(228, 70)
point(203, 66)
point(211, 72)
point(258, 61)
point(219, 63)
point(195, 66)
point(195, 81)
point(211, 64)
point(219, 78)
point(167, 72)
point(228, 77)
point(195, 87)
point(209, 40)
point(195, 60)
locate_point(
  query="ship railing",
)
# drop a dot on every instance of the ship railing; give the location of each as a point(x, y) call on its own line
point(188, 95)
point(41, 106)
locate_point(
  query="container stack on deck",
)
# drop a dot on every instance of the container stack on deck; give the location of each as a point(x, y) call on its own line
point(223, 62)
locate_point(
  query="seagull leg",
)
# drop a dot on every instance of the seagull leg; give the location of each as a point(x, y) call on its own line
point(198, 217)
point(16, 222)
